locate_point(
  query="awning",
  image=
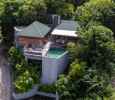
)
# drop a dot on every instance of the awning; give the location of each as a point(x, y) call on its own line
point(67, 33)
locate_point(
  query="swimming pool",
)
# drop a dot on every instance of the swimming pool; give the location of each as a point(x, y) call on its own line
point(53, 64)
point(55, 52)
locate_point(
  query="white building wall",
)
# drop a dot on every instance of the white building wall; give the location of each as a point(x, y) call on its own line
point(52, 67)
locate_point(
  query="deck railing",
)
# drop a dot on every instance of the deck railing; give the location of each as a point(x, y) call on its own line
point(38, 53)
point(33, 53)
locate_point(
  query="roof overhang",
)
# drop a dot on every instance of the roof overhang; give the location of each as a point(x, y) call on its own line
point(67, 33)
point(36, 29)
point(18, 29)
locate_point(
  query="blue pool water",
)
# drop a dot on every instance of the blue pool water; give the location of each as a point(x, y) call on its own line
point(55, 52)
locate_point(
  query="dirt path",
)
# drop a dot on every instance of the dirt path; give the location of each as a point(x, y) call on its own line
point(5, 79)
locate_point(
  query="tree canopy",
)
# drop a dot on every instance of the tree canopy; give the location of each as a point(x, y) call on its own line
point(92, 58)
point(97, 10)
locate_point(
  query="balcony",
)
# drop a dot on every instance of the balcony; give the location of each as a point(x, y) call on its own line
point(31, 53)
point(36, 53)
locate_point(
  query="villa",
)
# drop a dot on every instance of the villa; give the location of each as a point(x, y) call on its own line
point(40, 42)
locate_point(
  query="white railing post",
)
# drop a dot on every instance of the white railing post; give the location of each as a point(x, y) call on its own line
point(46, 48)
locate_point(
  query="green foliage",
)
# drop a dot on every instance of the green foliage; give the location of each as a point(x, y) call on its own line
point(25, 75)
point(15, 55)
point(89, 86)
point(7, 19)
point(66, 11)
point(76, 69)
point(30, 10)
point(97, 10)
point(73, 50)
point(54, 5)
point(47, 88)
point(90, 74)
point(100, 52)
point(65, 84)
point(25, 81)
point(92, 59)
point(61, 7)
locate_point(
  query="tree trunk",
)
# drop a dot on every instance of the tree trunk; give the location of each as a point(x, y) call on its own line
point(8, 33)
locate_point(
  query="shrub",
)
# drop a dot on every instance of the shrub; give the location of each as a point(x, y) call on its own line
point(24, 82)
point(48, 88)
point(25, 75)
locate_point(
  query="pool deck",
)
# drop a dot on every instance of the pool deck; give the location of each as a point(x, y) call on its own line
point(55, 53)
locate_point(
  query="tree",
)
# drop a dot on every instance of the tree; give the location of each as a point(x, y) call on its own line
point(31, 10)
point(8, 21)
point(90, 72)
point(83, 83)
point(24, 74)
point(100, 52)
point(73, 49)
point(97, 10)
point(53, 5)
point(66, 11)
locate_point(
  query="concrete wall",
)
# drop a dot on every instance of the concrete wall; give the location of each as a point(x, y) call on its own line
point(25, 95)
point(52, 67)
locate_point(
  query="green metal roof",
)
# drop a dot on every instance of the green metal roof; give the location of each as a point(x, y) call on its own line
point(36, 29)
point(68, 25)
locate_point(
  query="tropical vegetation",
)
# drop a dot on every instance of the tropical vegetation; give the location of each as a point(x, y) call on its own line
point(92, 58)
point(25, 75)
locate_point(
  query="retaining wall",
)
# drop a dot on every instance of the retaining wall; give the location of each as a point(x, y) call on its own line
point(52, 67)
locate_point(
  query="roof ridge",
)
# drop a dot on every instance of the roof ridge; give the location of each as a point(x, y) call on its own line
point(35, 26)
point(35, 29)
point(37, 23)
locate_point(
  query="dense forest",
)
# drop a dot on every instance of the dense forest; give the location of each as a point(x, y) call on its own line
point(92, 58)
